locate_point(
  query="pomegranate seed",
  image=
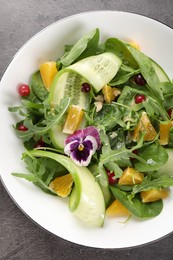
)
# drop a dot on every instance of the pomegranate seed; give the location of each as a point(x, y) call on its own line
point(111, 177)
point(39, 144)
point(22, 128)
point(140, 99)
point(85, 87)
point(139, 79)
point(24, 90)
point(134, 152)
point(169, 111)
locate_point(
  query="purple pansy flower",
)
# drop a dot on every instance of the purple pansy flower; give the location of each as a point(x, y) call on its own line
point(81, 145)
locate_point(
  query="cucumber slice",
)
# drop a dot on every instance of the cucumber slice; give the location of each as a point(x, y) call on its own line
point(98, 69)
point(68, 84)
point(163, 77)
point(57, 136)
point(102, 179)
point(86, 200)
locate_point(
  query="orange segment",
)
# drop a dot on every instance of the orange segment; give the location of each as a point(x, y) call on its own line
point(135, 45)
point(116, 209)
point(48, 71)
point(130, 176)
point(73, 120)
point(153, 195)
point(62, 185)
point(164, 132)
point(110, 93)
point(145, 127)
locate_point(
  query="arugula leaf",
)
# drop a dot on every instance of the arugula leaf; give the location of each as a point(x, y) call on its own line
point(127, 98)
point(28, 109)
point(163, 181)
point(50, 119)
point(136, 206)
point(120, 157)
point(108, 117)
point(38, 173)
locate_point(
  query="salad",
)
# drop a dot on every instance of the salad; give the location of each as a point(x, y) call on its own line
point(97, 127)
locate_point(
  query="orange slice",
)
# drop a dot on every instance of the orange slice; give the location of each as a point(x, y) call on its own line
point(164, 132)
point(48, 71)
point(130, 176)
point(135, 45)
point(110, 93)
point(153, 195)
point(73, 120)
point(145, 127)
point(116, 209)
point(62, 185)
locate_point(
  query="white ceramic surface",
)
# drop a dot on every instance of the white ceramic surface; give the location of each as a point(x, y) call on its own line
point(52, 213)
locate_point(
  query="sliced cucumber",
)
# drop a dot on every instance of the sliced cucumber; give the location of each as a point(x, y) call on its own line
point(98, 69)
point(102, 178)
point(168, 167)
point(163, 77)
point(68, 84)
point(86, 200)
point(57, 136)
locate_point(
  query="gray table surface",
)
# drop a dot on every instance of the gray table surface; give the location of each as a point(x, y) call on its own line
point(20, 238)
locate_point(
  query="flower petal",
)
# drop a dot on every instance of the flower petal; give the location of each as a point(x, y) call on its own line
point(91, 143)
point(81, 145)
point(70, 147)
point(83, 133)
point(92, 131)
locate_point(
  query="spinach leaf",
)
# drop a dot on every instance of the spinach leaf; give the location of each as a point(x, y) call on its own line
point(136, 206)
point(147, 71)
point(139, 60)
point(123, 75)
point(154, 155)
point(167, 88)
point(83, 48)
point(38, 87)
point(171, 137)
point(119, 48)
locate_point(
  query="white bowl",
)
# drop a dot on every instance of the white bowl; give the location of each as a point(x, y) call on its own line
point(52, 213)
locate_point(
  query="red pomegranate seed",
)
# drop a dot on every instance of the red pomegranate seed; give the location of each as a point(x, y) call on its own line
point(140, 99)
point(22, 128)
point(111, 177)
point(39, 144)
point(24, 90)
point(134, 152)
point(139, 80)
point(169, 111)
point(85, 87)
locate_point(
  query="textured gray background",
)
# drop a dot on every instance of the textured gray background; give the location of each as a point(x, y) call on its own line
point(20, 238)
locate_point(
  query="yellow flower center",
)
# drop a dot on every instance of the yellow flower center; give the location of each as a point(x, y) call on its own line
point(81, 147)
